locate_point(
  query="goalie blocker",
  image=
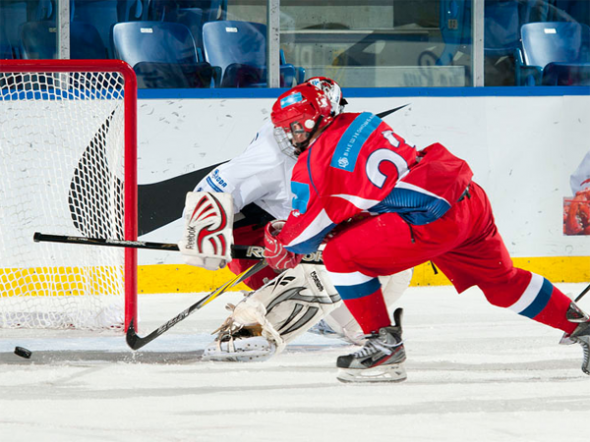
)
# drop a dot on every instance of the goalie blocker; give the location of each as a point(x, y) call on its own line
point(207, 237)
point(266, 320)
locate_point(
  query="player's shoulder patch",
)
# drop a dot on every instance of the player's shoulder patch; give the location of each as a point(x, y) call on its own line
point(301, 196)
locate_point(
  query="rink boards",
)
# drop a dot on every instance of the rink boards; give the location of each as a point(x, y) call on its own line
point(522, 150)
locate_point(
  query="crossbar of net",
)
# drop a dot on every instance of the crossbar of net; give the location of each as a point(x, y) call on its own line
point(61, 172)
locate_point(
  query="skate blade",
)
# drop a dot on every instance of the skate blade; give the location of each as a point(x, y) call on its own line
point(387, 373)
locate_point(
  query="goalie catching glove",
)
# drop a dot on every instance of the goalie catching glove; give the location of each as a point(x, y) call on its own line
point(277, 256)
point(207, 236)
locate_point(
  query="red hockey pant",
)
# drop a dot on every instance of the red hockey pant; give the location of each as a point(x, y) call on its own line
point(464, 244)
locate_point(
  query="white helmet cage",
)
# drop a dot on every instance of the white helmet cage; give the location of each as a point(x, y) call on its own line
point(284, 142)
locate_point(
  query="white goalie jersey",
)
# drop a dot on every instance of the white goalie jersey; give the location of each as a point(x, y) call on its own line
point(260, 175)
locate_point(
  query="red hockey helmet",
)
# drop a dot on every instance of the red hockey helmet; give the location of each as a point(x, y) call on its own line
point(332, 90)
point(300, 113)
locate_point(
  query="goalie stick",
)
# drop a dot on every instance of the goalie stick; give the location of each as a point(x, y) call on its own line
point(136, 342)
point(238, 251)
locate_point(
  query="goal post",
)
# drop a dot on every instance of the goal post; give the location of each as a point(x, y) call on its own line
point(68, 165)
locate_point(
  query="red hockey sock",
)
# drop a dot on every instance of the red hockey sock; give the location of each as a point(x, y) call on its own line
point(554, 312)
point(369, 311)
point(533, 296)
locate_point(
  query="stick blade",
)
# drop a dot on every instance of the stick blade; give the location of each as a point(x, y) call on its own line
point(131, 337)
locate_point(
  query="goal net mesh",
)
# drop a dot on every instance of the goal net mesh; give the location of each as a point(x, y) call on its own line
point(62, 171)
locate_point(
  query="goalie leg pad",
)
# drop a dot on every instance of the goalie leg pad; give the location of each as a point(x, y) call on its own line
point(293, 302)
point(278, 312)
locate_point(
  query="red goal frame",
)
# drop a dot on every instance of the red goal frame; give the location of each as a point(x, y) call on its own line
point(130, 112)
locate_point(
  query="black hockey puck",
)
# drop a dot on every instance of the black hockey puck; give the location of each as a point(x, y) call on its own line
point(22, 352)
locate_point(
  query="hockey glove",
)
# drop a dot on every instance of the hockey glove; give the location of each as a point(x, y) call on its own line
point(277, 256)
point(207, 237)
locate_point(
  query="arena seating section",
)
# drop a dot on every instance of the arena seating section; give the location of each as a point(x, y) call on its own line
point(193, 43)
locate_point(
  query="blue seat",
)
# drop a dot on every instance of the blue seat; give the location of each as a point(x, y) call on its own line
point(239, 49)
point(163, 55)
point(555, 53)
point(39, 41)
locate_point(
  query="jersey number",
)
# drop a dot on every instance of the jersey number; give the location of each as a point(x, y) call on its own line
point(379, 156)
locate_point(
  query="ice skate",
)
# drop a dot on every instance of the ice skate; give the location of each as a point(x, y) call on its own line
point(381, 358)
point(581, 335)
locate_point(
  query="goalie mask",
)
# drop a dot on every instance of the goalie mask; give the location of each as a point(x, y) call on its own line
point(299, 114)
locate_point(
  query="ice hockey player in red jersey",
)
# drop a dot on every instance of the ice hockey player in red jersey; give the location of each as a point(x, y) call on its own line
point(380, 206)
point(280, 308)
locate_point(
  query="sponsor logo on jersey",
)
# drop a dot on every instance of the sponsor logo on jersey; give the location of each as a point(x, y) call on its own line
point(353, 139)
point(218, 178)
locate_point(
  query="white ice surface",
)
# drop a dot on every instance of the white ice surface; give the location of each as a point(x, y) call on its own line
point(476, 373)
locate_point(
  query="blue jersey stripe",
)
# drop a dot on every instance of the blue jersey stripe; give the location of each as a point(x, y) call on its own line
point(347, 150)
point(358, 290)
point(540, 302)
point(414, 207)
point(312, 244)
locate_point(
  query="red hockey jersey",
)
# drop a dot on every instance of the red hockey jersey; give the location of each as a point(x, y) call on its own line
point(359, 164)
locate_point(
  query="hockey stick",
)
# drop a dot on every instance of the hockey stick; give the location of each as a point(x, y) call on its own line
point(238, 251)
point(581, 295)
point(136, 342)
